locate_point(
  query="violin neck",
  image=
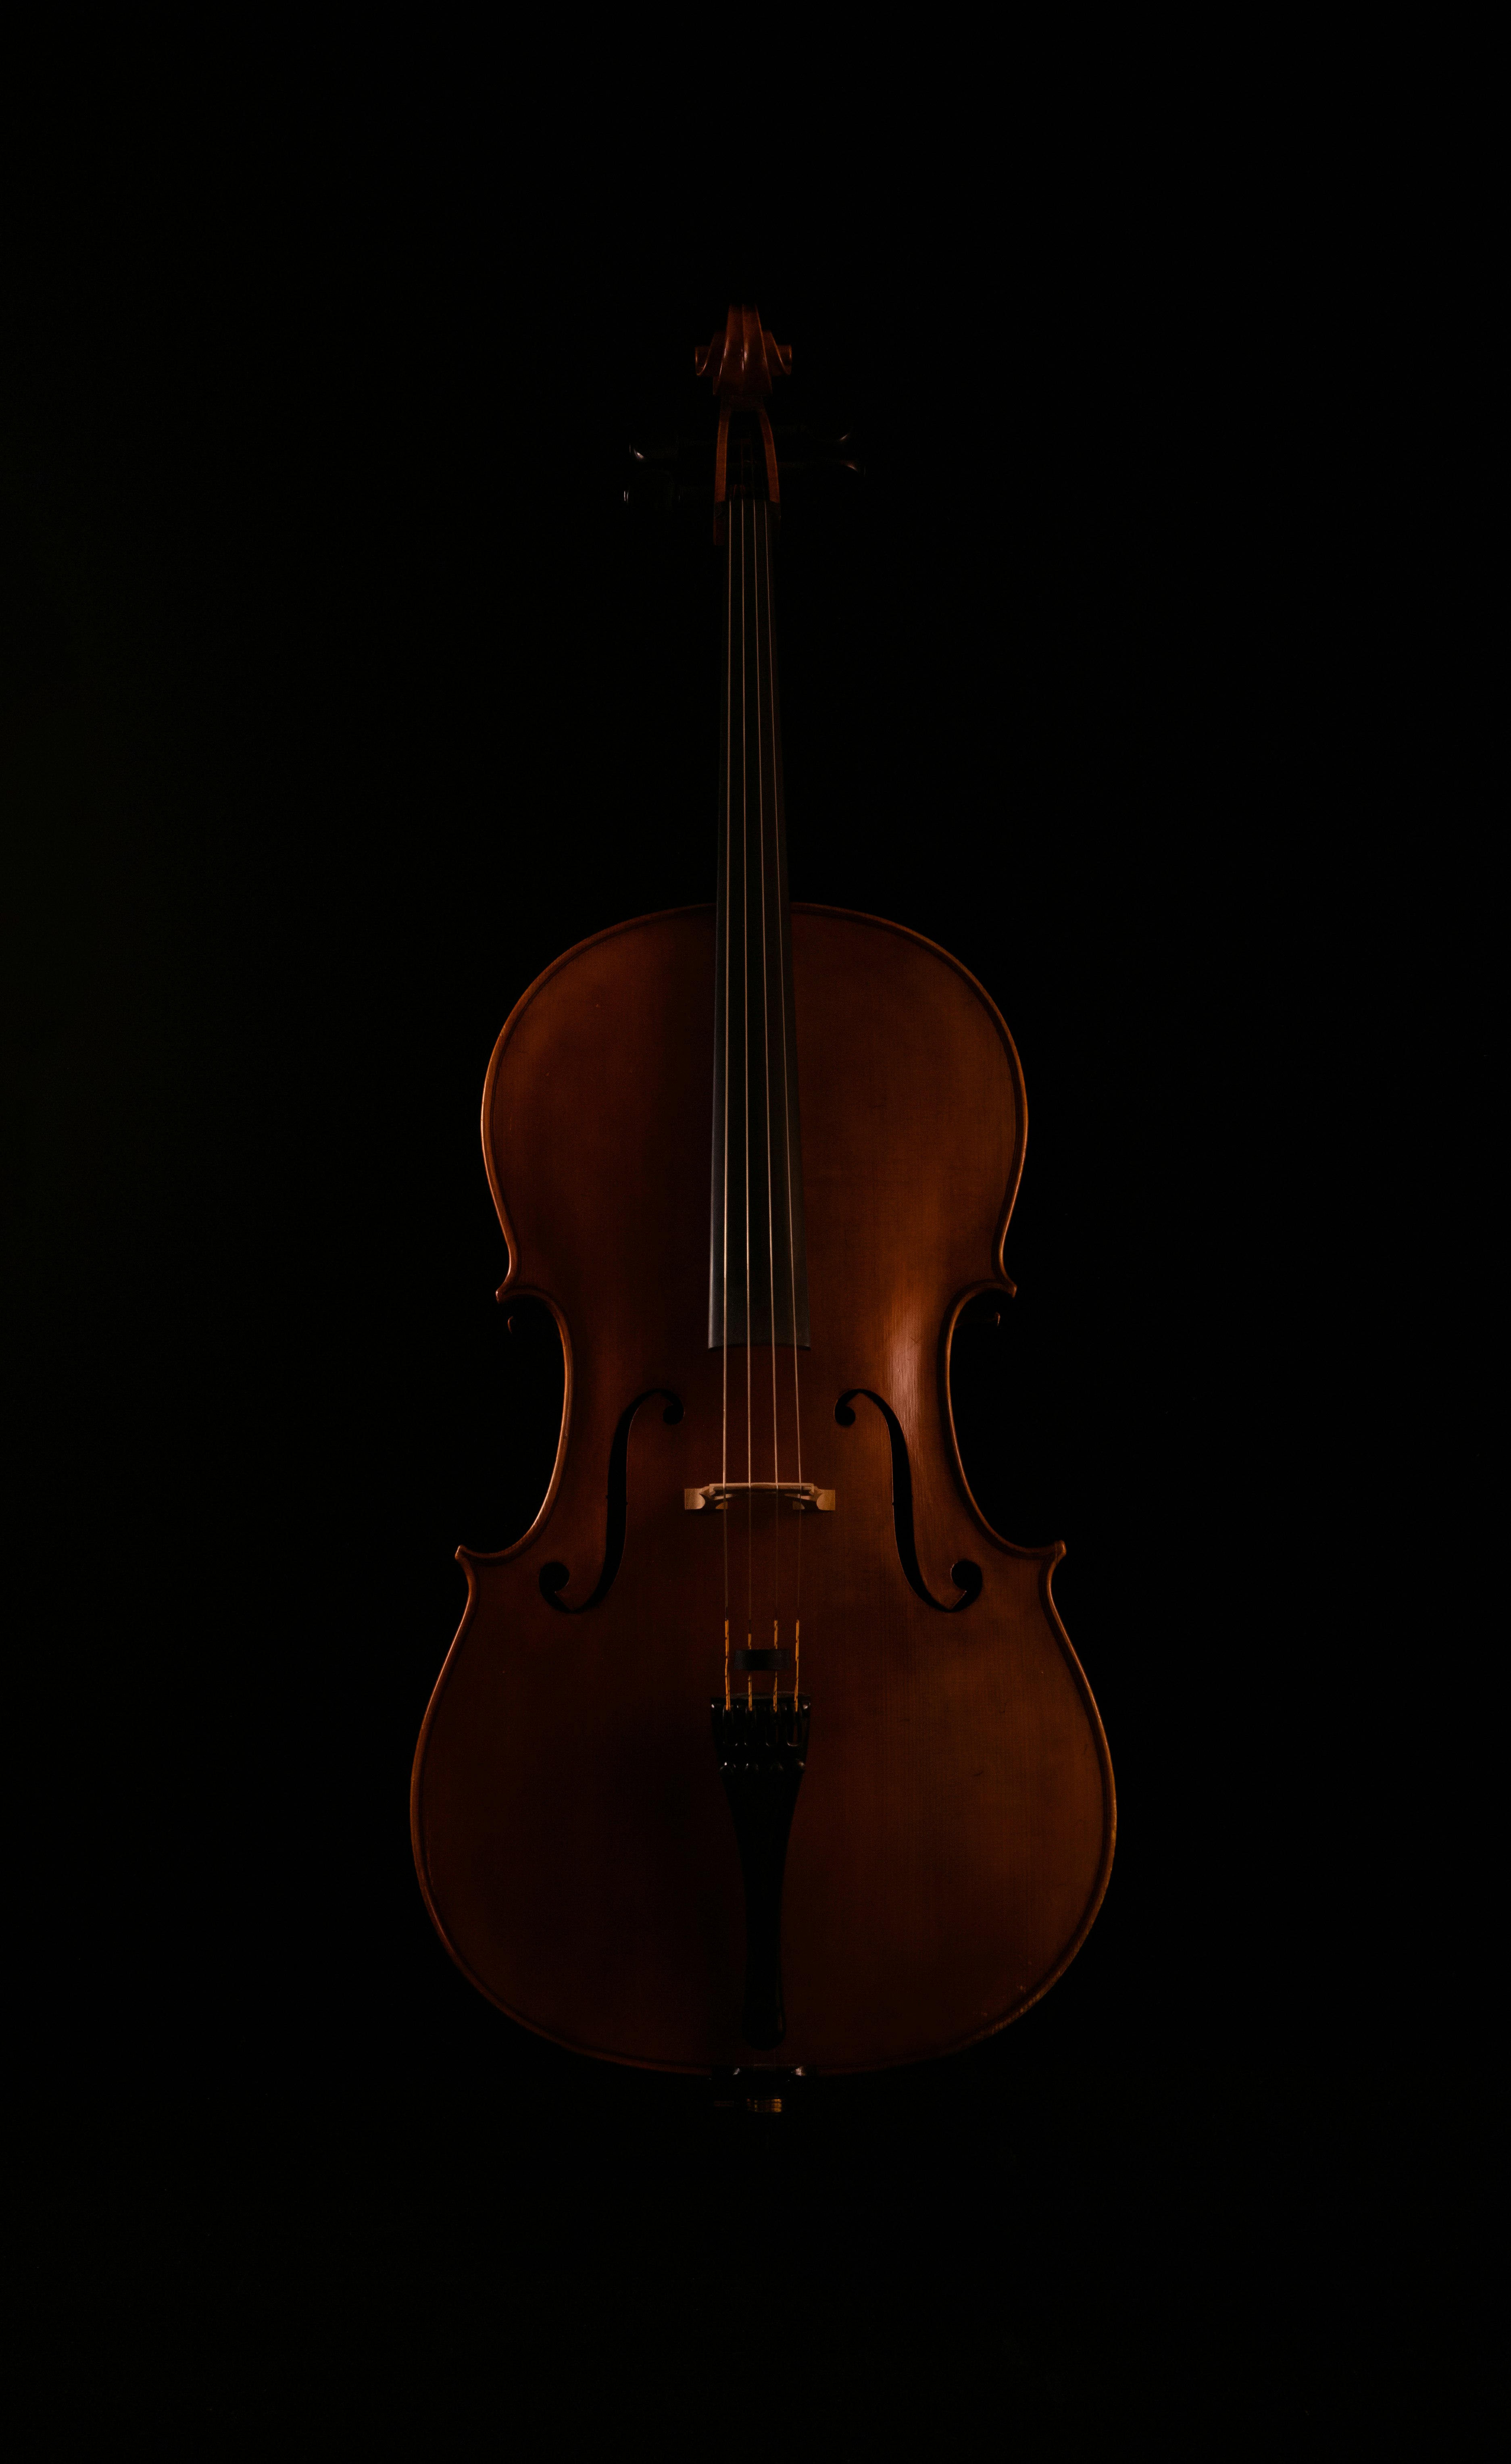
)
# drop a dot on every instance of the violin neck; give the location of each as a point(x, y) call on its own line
point(758, 1265)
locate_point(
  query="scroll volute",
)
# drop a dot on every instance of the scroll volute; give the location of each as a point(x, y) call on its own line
point(742, 364)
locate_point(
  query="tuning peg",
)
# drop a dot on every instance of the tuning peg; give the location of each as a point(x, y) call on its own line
point(803, 448)
point(671, 472)
point(667, 472)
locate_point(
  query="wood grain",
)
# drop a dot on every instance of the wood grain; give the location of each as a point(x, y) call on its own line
point(954, 1833)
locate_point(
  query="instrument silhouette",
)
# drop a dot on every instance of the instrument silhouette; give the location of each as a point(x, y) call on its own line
point(760, 1736)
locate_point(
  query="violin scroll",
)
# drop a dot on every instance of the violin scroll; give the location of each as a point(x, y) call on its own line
point(741, 364)
point(742, 360)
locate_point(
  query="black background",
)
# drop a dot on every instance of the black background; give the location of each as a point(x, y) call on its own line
point(346, 690)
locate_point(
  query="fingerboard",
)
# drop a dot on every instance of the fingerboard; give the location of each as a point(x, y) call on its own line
point(758, 1265)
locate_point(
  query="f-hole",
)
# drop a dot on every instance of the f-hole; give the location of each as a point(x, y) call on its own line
point(555, 1576)
point(964, 1574)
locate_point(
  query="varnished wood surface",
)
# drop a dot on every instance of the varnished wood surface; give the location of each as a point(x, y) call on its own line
point(955, 1829)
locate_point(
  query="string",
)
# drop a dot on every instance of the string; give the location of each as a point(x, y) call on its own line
point(755, 567)
point(766, 1057)
point(724, 1443)
point(745, 915)
point(787, 1144)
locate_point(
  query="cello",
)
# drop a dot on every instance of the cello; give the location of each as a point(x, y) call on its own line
point(760, 1746)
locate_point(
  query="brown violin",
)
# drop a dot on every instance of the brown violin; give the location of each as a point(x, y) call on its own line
point(761, 1746)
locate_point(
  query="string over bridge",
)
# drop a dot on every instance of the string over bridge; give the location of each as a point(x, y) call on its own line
point(801, 1495)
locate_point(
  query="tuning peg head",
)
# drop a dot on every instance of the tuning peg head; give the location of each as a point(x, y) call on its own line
point(743, 361)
